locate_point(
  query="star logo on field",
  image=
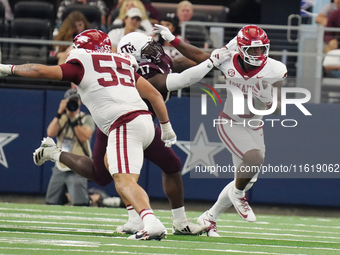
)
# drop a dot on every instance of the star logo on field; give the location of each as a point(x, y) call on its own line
point(200, 151)
point(5, 138)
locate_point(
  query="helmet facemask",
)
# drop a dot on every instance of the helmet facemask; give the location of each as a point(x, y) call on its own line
point(254, 55)
point(152, 51)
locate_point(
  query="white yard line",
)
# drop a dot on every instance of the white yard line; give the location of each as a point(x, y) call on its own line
point(68, 251)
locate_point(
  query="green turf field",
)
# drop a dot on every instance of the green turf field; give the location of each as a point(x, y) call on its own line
point(42, 229)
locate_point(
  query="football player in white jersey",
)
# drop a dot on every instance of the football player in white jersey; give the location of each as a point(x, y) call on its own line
point(111, 90)
point(248, 68)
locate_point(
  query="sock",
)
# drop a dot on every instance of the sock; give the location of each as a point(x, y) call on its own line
point(178, 214)
point(248, 187)
point(133, 215)
point(147, 216)
point(56, 156)
point(223, 202)
point(112, 202)
point(238, 193)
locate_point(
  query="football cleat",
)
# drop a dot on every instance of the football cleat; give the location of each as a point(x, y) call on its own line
point(45, 151)
point(155, 231)
point(186, 227)
point(130, 227)
point(205, 220)
point(242, 207)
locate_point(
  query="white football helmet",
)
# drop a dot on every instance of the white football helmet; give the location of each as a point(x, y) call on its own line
point(141, 46)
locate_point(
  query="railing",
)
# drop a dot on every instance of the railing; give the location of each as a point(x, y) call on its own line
point(300, 47)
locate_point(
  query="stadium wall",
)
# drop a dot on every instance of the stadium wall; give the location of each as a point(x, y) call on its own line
point(25, 115)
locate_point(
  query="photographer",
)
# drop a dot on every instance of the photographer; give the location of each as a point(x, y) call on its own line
point(73, 130)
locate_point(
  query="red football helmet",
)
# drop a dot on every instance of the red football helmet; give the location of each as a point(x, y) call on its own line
point(253, 45)
point(92, 39)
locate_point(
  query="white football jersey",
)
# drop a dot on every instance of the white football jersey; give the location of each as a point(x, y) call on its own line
point(271, 72)
point(108, 87)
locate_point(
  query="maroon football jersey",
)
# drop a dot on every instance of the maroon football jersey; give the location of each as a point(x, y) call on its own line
point(149, 70)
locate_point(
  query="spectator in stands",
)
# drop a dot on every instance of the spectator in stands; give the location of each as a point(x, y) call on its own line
point(171, 21)
point(127, 5)
point(73, 129)
point(98, 3)
point(323, 15)
point(185, 11)
point(331, 64)
point(8, 10)
point(74, 24)
point(332, 38)
point(152, 12)
point(131, 21)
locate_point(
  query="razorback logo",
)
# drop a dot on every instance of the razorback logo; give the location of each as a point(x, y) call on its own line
point(128, 48)
point(83, 38)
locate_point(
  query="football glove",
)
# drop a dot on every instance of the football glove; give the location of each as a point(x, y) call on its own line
point(263, 92)
point(219, 56)
point(164, 32)
point(5, 70)
point(168, 136)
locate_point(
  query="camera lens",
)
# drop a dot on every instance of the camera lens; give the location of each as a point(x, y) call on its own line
point(72, 105)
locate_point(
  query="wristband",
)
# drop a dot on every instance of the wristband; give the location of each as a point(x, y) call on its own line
point(58, 115)
point(175, 42)
point(164, 122)
point(12, 69)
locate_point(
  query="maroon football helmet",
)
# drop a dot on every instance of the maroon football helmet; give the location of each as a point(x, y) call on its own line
point(92, 39)
point(253, 45)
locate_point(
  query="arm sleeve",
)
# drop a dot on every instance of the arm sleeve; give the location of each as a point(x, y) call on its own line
point(72, 72)
point(175, 81)
point(136, 77)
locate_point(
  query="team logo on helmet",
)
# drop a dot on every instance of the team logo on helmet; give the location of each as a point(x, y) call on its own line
point(128, 48)
point(83, 39)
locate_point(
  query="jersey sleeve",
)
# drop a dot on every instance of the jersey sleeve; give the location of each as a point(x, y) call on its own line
point(72, 72)
point(148, 70)
point(232, 44)
point(281, 71)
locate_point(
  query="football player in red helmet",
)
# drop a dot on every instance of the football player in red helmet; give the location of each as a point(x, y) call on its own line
point(253, 45)
point(249, 67)
point(92, 39)
point(111, 89)
point(155, 66)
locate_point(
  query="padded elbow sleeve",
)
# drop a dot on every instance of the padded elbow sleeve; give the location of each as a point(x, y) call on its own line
point(176, 81)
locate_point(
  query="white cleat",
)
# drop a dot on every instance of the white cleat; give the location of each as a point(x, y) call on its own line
point(45, 151)
point(186, 227)
point(155, 231)
point(205, 220)
point(242, 207)
point(130, 227)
